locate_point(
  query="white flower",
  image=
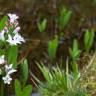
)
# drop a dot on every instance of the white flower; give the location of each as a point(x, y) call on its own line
point(17, 29)
point(9, 70)
point(5, 30)
point(2, 59)
point(2, 35)
point(17, 39)
point(13, 17)
point(7, 79)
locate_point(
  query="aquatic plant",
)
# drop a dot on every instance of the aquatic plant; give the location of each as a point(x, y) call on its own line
point(74, 51)
point(59, 82)
point(24, 72)
point(52, 48)
point(42, 24)
point(9, 41)
point(19, 91)
point(88, 39)
point(64, 17)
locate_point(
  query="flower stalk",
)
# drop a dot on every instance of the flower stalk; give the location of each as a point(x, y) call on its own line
point(1, 87)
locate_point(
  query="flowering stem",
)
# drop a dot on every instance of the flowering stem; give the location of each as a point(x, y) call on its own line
point(1, 88)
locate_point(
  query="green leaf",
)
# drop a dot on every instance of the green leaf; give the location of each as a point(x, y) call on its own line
point(12, 55)
point(88, 39)
point(64, 17)
point(74, 51)
point(18, 88)
point(27, 90)
point(24, 72)
point(3, 22)
point(45, 72)
point(42, 25)
point(2, 52)
point(75, 45)
point(67, 77)
point(52, 48)
point(75, 70)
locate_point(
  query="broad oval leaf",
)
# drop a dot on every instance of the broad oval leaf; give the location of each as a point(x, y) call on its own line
point(24, 72)
point(27, 90)
point(18, 88)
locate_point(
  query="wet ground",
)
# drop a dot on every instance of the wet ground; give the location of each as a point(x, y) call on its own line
point(83, 16)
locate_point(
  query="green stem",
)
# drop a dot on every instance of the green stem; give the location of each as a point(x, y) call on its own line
point(1, 88)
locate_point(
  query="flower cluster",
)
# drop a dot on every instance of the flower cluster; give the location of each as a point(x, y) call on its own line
point(9, 35)
point(11, 29)
point(9, 70)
